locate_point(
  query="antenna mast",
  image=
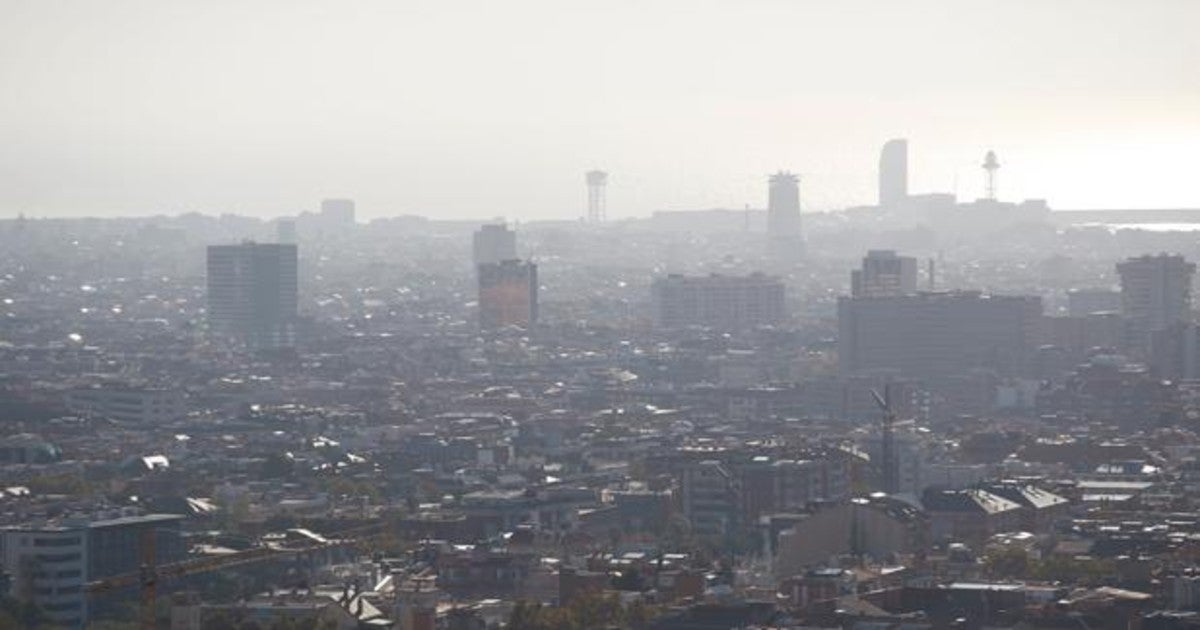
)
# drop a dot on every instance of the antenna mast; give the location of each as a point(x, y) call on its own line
point(990, 166)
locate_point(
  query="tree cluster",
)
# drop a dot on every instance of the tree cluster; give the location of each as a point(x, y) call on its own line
point(591, 612)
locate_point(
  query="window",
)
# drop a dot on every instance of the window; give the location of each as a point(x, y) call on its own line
point(59, 557)
point(56, 542)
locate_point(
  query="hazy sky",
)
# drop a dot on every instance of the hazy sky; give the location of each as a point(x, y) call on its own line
point(479, 109)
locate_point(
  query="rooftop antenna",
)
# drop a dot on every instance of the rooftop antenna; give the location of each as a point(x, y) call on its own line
point(889, 469)
point(990, 166)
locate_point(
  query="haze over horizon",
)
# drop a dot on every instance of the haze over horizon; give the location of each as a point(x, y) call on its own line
point(476, 109)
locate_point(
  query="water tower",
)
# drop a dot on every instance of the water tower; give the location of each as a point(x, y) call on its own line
point(596, 182)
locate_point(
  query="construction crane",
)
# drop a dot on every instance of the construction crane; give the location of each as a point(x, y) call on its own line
point(149, 574)
point(889, 469)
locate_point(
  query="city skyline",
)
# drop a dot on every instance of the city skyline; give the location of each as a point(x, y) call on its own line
point(539, 315)
point(167, 109)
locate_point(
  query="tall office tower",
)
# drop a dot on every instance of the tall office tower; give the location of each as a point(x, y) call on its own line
point(508, 292)
point(338, 211)
point(1156, 292)
point(893, 173)
point(785, 240)
point(252, 293)
point(708, 496)
point(494, 243)
point(597, 182)
point(285, 231)
point(884, 274)
point(722, 302)
point(938, 334)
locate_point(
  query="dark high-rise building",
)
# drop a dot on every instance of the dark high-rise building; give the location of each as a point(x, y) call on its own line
point(1156, 293)
point(709, 497)
point(893, 173)
point(884, 274)
point(252, 293)
point(785, 239)
point(494, 243)
point(715, 301)
point(938, 334)
point(508, 294)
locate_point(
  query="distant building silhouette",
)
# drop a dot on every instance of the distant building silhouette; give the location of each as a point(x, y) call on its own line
point(893, 173)
point(508, 294)
point(942, 212)
point(785, 240)
point(884, 274)
point(1156, 293)
point(285, 231)
point(338, 211)
point(1175, 352)
point(722, 302)
point(597, 208)
point(938, 334)
point(1084, 302)
point(494, 243)
point(252, 293)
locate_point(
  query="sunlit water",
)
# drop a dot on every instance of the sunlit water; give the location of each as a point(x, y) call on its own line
point(1149, 227)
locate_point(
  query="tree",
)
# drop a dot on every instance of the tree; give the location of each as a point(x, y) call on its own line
point(591, 611)
point(21, 614)
point(525, 616)
point(1088, 571)
point(629, 580)
point(277, 466)
point(64, 483)
point(1008, 563)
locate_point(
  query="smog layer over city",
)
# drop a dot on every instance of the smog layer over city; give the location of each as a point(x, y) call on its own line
point(538, 315)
